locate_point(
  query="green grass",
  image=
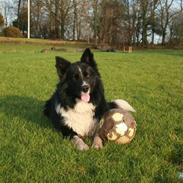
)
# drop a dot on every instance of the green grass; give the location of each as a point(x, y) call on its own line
point(32, 151)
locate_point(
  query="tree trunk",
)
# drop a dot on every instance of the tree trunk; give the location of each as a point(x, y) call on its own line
point(78, 30)
point(153, 21)
point(165, 18)
point(144, 22)
point(144, 32)
point(62, 31)
point(129, 24)
point(74, 19)
point(18, 13)
point(163, 36)
point(95, 14)
point(56, 19)
point(152, 38)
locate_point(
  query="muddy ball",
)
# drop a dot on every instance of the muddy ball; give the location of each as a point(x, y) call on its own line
point(117, 125)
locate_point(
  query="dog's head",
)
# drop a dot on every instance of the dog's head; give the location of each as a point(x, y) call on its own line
point(80, 78)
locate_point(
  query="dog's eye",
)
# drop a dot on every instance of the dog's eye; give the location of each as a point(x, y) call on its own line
point(76, 76)
point(86, 74)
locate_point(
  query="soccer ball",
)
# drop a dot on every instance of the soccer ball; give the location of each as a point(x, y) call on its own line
point(117, 125)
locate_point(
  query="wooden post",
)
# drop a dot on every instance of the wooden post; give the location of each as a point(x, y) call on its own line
point(130, 49)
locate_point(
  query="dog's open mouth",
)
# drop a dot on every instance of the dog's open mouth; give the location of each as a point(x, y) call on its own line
point(85, 96)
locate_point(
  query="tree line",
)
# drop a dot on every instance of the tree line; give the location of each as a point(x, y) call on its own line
point(106, 22)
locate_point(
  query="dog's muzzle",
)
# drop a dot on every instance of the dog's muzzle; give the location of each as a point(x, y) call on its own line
point(85, 88)
point(85, 92)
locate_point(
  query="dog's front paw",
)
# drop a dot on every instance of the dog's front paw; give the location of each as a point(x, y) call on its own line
point(79, 144)
point(97, 143)
point(82, 147)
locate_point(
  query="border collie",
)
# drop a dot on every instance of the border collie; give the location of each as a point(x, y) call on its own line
point(78, 103)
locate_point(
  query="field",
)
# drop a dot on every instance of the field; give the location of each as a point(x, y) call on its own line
point(32, 151)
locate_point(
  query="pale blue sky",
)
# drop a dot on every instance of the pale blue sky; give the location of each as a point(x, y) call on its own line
point(9, 11)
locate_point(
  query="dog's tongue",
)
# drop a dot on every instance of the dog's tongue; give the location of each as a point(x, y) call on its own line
point(85, 97)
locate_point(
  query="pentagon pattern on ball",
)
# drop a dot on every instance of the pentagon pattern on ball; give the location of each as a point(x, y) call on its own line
point(117, 116)
point(118, 125)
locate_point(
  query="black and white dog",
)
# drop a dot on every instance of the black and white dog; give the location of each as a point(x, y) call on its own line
point(79, 102)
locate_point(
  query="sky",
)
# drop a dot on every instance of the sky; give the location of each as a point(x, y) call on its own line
point(7, 8)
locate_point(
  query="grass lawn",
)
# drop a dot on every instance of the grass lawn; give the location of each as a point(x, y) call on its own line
point(32, 151)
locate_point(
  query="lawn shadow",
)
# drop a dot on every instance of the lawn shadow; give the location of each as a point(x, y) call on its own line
point(27, 108)
point(176, 156)
point(164, 174)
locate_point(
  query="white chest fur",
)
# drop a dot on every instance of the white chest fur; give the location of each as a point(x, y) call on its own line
point(80, 118)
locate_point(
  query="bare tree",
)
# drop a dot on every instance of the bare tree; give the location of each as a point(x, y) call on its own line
point(37, 14)
point(165, 16)
point(95, 20)
point(18, 12)
point(110, 22)
point(74, 19)
point(144, 4)
point(153, 19)
point(56, 7)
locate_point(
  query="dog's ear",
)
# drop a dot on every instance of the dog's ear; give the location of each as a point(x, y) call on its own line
point(88, 58)
point(61, 65)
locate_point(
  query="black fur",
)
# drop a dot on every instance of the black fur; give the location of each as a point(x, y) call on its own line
point(68, 90)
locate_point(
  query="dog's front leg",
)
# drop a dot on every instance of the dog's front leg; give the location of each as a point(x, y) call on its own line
point(79, 143)
point(97, 142)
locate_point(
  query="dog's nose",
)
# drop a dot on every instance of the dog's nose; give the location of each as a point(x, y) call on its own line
point(85, 88)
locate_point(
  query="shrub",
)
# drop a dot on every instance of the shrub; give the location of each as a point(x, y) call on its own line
point(12, 32)
point(1, 20)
